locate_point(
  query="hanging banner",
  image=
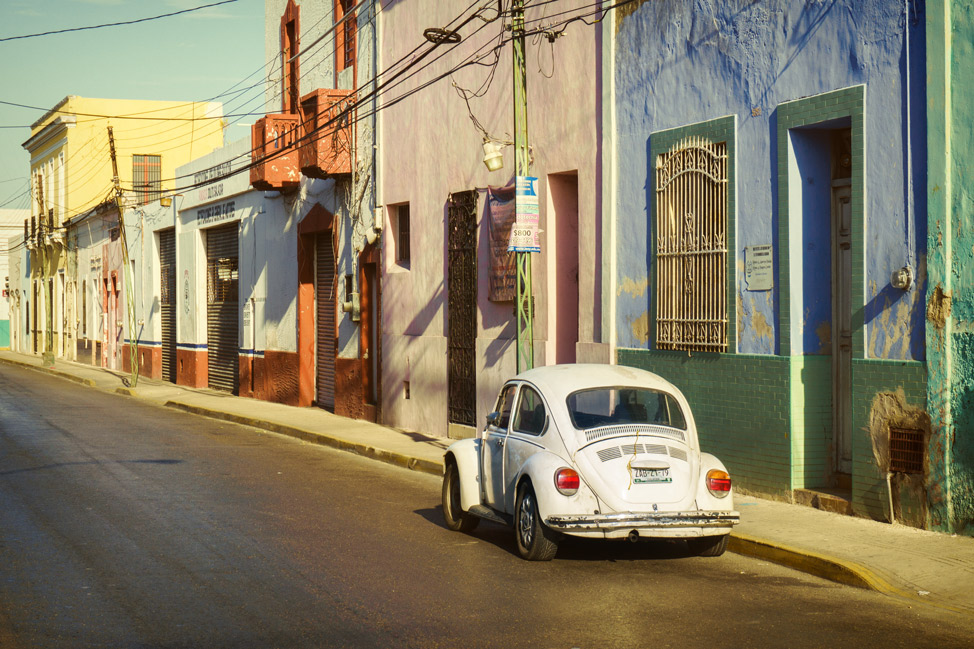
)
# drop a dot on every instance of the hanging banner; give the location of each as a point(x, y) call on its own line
point(502, 279)
point(524, 234)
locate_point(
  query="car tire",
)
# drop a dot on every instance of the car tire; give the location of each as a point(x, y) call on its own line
point(456, 519)
point(535, 541)
point(708, 546)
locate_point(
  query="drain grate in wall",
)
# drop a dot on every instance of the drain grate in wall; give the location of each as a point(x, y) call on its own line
point(905, 450)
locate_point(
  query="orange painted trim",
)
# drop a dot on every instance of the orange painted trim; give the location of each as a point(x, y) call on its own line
point(191, 368)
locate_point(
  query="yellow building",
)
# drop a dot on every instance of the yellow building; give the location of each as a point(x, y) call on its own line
point(71, 175)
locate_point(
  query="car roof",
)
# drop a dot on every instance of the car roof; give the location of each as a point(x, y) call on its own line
point(559, 381)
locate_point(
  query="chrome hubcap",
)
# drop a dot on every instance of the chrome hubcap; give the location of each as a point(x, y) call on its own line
point(526, 520)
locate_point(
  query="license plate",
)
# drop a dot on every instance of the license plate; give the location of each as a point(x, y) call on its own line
point(646, 476)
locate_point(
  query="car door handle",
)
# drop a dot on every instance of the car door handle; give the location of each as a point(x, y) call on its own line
point(499, 442)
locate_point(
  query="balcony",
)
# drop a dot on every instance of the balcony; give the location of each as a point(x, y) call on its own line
point(326, 145)
point(275, 154)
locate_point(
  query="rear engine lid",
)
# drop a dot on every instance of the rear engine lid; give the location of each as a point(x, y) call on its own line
point(633, 473)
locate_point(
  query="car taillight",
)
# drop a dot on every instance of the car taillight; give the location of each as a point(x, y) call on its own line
point(566, 481)
point(718, 483)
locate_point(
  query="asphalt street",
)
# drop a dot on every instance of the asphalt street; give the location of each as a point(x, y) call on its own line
point(128, 525)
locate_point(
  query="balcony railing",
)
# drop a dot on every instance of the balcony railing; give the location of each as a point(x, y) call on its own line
point(326, 134)
point(274, 153)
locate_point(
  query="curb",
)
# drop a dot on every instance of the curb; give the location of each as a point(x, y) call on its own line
point(50, 370)
point(365, 450)
point(843, 572)
point(840, 571)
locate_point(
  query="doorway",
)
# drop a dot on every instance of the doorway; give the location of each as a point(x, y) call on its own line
point(562, 226)
point(462, 308)
point(369, 330)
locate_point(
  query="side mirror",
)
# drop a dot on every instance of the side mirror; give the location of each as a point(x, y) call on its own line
point(493, 418)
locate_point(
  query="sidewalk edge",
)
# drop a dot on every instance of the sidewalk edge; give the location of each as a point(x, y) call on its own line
point(840, 571)
point(365, 450)
point(50, 370)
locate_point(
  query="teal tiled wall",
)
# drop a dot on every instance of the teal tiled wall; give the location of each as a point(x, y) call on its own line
point(741, 406)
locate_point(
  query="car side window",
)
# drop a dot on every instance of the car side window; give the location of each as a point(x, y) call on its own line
point(531, 414)
point(505, 403)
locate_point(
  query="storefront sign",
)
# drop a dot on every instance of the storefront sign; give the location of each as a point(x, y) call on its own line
point(759, 267)
point(215, 213)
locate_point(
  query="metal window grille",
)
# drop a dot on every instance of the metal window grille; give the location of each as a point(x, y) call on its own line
point(462, 308)
point(146, 177)
point(906, 450)
point(691, 246)
point(402, 242)
point(348, 35)
point(222, 280)
point(167, 292)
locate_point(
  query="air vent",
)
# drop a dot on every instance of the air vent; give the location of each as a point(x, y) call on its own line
point(607, 454)
point(906, 450)
point(632, 449)
point(678, 453)
point(619, 431)
point(656, 449)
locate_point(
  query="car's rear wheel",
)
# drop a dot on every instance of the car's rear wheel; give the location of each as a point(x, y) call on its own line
point(535, 541)
point(708, 546)
point(456, 519)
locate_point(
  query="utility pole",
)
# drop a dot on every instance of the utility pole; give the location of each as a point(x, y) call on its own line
point(129, 276)
point(525, 299)
point(47, 287)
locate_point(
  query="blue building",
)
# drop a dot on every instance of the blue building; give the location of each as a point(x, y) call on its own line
point(770, 237)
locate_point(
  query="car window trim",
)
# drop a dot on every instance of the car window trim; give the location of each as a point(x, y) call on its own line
point(547, 417)
point(571, 415)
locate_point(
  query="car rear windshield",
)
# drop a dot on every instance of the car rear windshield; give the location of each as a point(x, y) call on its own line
point(614, 406)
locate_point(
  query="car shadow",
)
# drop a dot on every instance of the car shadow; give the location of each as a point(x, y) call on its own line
point(572, 548)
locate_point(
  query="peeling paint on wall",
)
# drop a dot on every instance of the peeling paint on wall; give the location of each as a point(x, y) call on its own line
point(891, 334)
point(633, 287)
point(824, 333)
point(627, 10)
point(640, 328)
point(908, 492)
point(938, 308)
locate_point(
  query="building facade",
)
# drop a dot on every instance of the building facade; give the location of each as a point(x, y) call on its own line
point(75, 149)
point(448, 314)
point(11, 225)
point(770, 234)
point(314, 153)
point(949, 471)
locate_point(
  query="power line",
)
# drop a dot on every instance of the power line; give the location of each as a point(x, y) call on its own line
point(118, 24)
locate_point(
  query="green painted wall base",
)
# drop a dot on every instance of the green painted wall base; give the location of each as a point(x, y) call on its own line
point(769, 419)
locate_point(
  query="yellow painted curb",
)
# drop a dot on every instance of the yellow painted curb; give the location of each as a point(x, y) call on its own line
point(840, 571)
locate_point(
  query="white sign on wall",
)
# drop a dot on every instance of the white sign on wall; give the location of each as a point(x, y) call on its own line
point(759, 267)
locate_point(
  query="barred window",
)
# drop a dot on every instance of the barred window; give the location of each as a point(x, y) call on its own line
point(402, 234)
point(146, 177)
point(691, 246)
point(346, 37)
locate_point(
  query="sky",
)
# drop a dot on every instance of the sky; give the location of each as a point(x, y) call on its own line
point(191, 57)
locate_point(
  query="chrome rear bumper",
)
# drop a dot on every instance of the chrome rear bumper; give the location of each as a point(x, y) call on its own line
point(637, 521)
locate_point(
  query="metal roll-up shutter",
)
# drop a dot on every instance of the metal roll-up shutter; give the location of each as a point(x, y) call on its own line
point(167, 302)
point(222, 309)
point(325, 330)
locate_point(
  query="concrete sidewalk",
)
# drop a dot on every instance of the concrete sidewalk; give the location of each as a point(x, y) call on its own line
point(928, 568)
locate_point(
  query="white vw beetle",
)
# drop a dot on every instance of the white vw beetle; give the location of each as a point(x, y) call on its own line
point(600, 451)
